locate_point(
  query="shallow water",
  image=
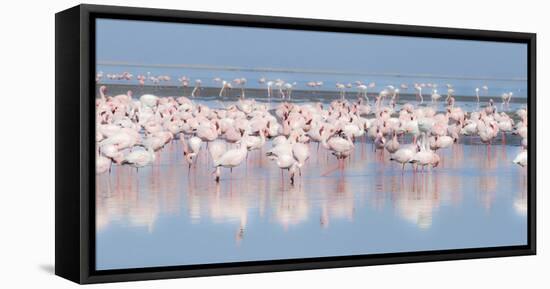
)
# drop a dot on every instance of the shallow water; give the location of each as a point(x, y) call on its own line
point(462, 86)
point(166, 214)
point(209, 96)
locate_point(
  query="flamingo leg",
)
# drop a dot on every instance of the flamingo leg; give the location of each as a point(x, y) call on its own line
point(331, 169)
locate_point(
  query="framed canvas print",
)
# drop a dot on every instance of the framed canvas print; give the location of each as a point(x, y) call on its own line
point(194, 144)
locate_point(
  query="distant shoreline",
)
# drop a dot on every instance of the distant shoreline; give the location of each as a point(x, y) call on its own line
point(306, 71)
point(297, 94)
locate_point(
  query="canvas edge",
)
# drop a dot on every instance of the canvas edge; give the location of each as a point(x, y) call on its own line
point(88, 275)
point(67, 159)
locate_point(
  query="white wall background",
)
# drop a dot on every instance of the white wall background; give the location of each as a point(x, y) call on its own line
point(27, 143)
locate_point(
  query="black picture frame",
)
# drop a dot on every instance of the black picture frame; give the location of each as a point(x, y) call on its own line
point(74, 153)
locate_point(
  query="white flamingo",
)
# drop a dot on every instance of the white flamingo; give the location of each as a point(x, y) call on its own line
point(225, 86)
point(419, 92)
point(521, 159)
point(197, 87)
point(342, 88)
point(230, 159)
point(403, 156)
point(140, 158)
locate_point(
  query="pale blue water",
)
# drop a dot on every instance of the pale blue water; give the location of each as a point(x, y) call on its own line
point(165, 216)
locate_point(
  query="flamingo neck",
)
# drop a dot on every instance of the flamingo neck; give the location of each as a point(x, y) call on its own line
point(324, 142)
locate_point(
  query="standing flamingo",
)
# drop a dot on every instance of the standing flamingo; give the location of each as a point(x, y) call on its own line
point(403, 156)
point(225, 86)
point(140, 158)
point(229, 159)
point(269, 88)
point(342, 88)
point(362, 90)
point(435, 96)
point(288, 87)
point(521, 159)
point(240, 82)
point(197, 87)
point(418, 88)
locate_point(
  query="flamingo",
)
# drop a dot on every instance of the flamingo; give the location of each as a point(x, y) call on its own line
point(285, 161)
point(418, 88)
point(379, 140)
point(149, 100)
point(279, 84)
point(301, 154)
point(233, 135)
point(254, 142)
point(99, 76)
point(197, 87)
point(470, 128)
point(225, 86)
point(229, 159)
point(240, 82)
point(392, 146)
point(187, 154)
point(262, 80)
point(207, 131)
point(439, 142)
point(506, 97)
point(362, 90)
point(342, 88)
point(450, 93)
point(435, 96)
point(191, 149)
point(102, 163)
point(195, 144)
point(341, 147)
point(139, 158)
point(425, 156)
point(124, 123)
point(403, 156)
point(217, 149)
point(288, 87)
point(269, 88)
point(521, 159)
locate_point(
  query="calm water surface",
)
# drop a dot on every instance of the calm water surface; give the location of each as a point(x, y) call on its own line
point(461, 86)
point(166, 214)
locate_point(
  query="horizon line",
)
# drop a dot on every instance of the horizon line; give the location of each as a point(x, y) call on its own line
point(307, 71)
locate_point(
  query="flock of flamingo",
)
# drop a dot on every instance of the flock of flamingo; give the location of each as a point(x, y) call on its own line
point(131, 131)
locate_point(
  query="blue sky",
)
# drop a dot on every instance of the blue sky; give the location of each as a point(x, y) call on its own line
point(174, 43)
